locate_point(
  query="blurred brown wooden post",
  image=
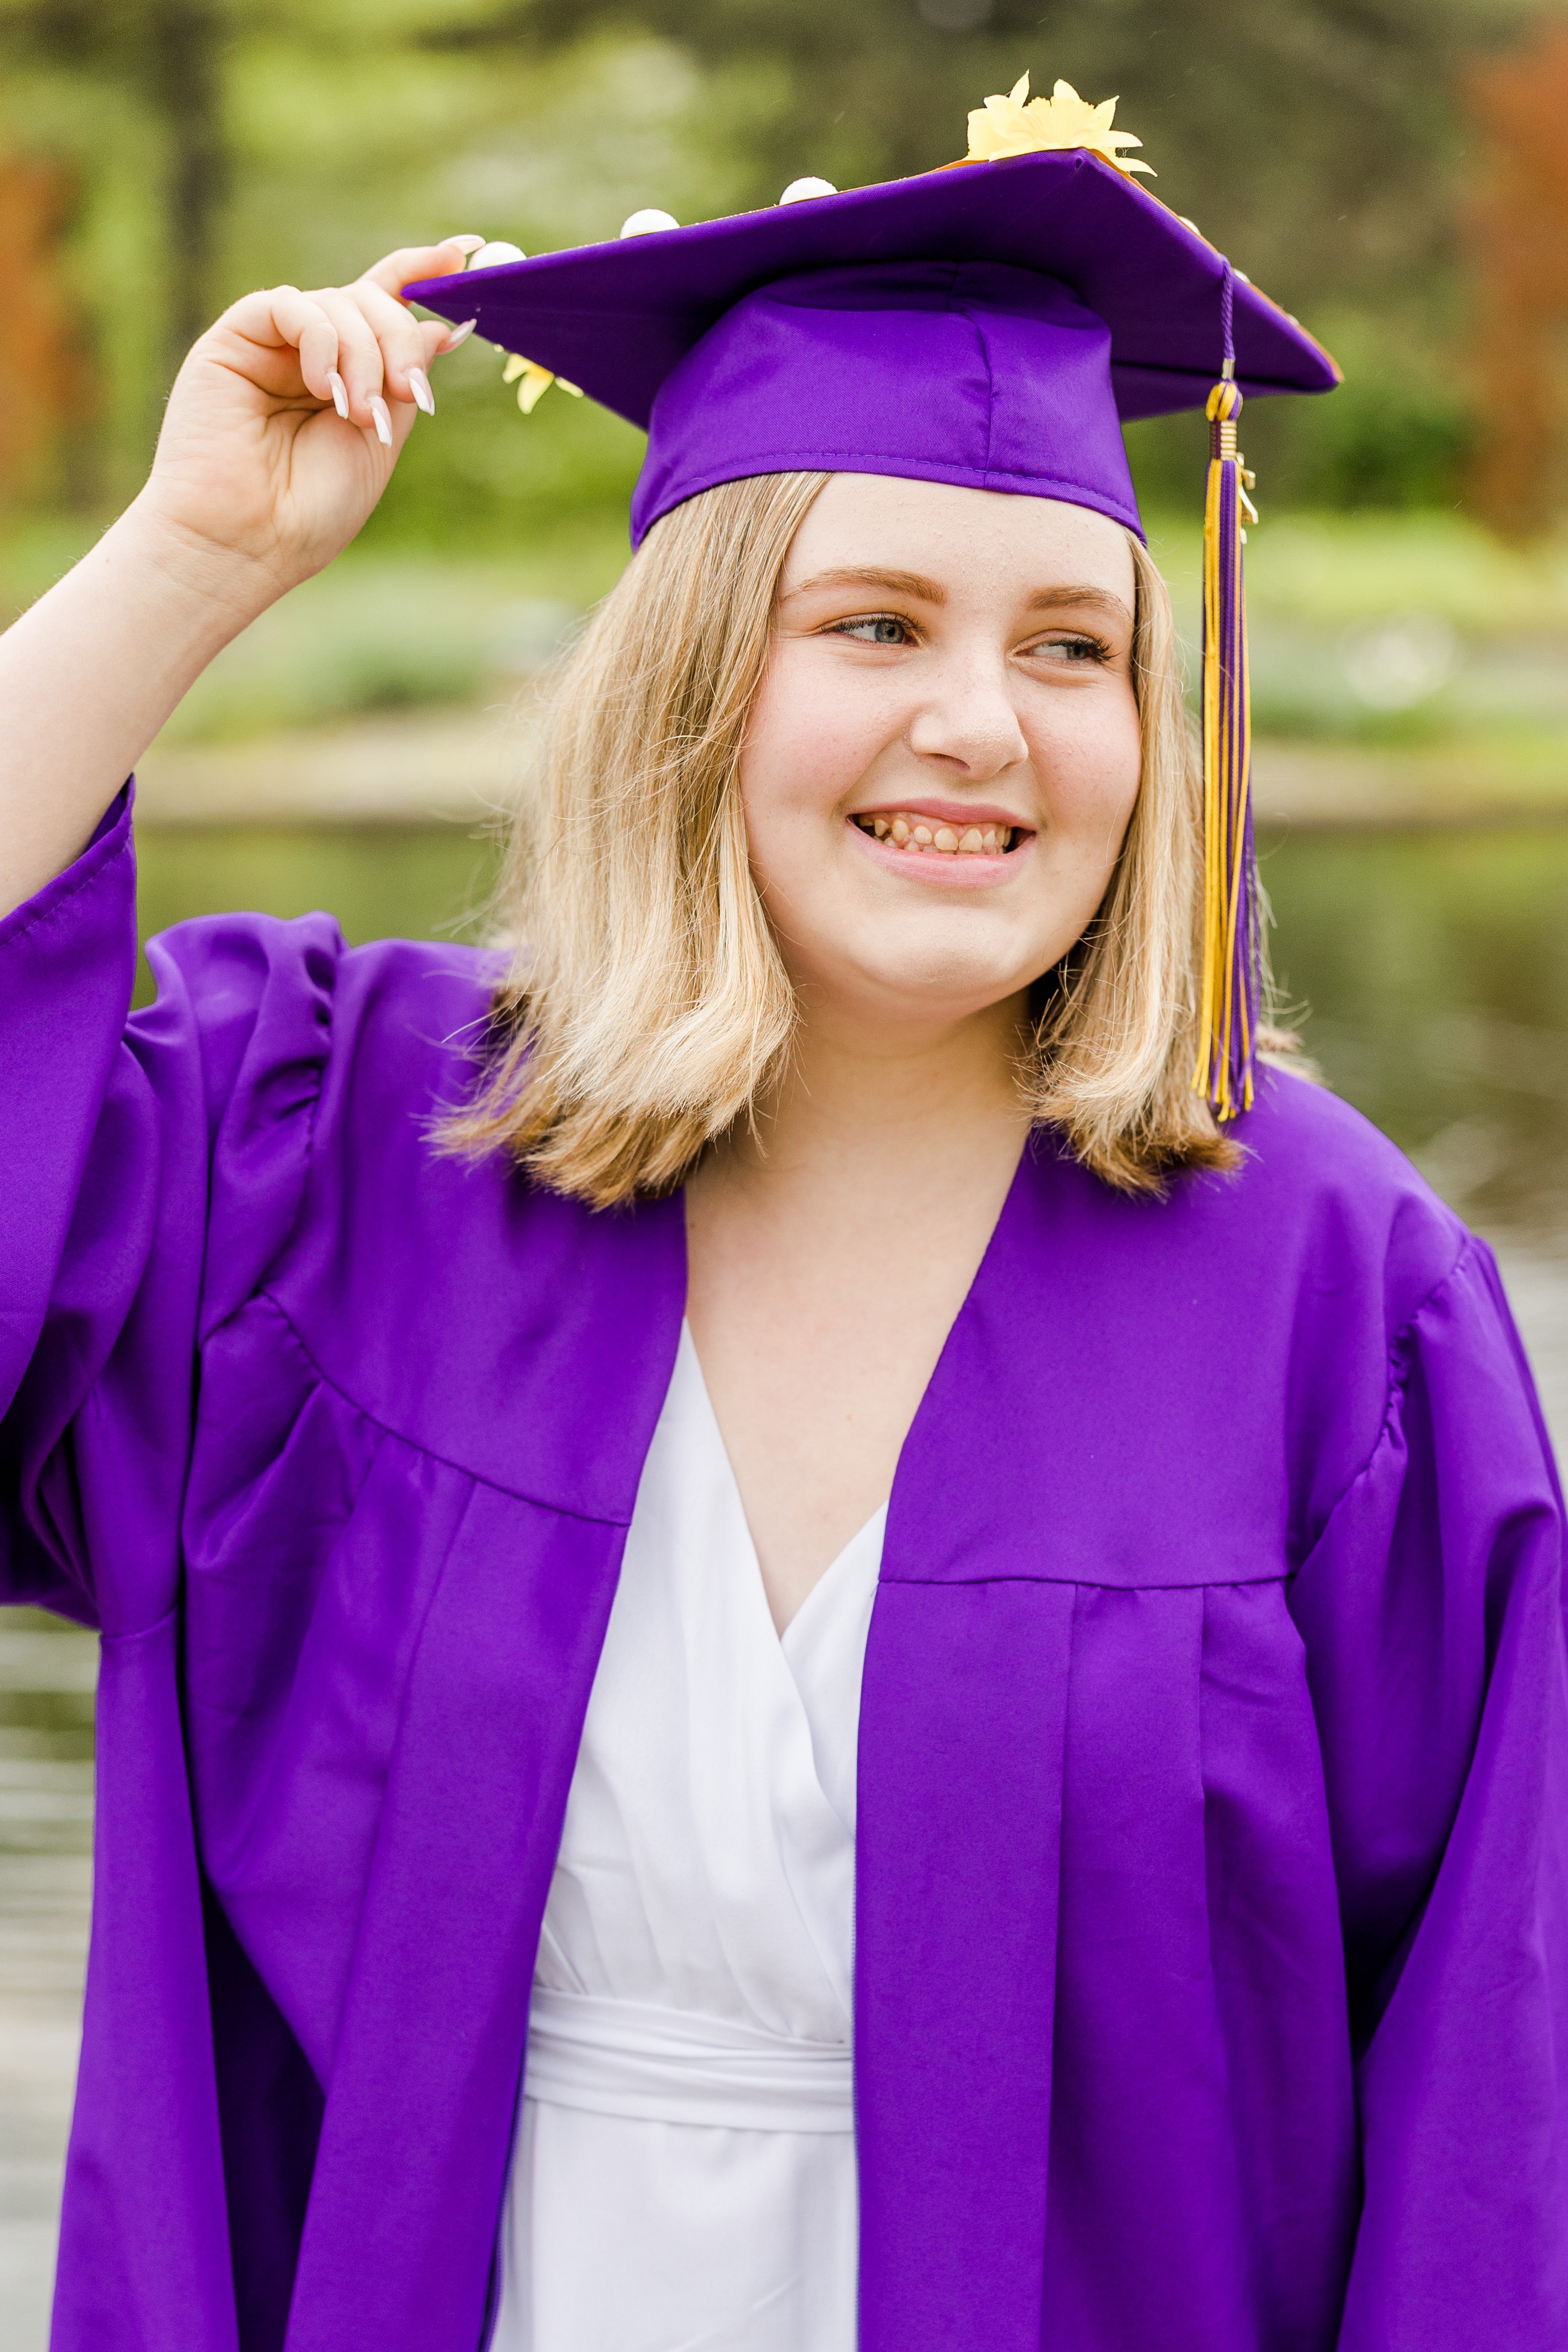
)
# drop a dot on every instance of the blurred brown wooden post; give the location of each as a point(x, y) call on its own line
point(48, 382)
point(1516, 229)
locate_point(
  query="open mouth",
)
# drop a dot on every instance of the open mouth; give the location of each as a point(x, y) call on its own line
point(929, 836)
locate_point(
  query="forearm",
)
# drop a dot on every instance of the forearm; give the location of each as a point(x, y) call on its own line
point(281, 434)
point(89, 674)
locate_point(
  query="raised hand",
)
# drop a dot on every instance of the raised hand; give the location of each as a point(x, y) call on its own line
point(282, 431)
point(286, 418)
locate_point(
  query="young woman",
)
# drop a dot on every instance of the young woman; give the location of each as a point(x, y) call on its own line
point(791, 1658)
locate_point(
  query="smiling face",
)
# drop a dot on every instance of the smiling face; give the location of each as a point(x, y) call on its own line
point(944, 754)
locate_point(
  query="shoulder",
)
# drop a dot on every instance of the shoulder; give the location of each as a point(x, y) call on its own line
point(1327, 1196)
point(1259, 1317)
point(317, 1069)
point(257, 1003)
point(452, 1302)
point(1320, 1207)
point(1295, 1115)
point(1328, 1250)
point(230, 967)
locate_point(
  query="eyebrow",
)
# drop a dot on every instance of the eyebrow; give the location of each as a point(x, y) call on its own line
point(871, 575)
point(1099, 600)
point(931, 591)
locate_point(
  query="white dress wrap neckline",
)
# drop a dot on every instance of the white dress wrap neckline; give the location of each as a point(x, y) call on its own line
point(683, 2175)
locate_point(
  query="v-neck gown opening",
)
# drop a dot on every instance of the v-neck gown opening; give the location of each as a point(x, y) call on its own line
point(684, 2173)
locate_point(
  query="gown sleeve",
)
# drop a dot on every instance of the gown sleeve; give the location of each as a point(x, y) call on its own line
point(150, 1166)
point(1431, 1610)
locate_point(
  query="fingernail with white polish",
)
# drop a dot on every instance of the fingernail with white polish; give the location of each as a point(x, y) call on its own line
point(456, 335)
point(419, 384)
point(340, 392)
point(383, 416)
point(468, 244)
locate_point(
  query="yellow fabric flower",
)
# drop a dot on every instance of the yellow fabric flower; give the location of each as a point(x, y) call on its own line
point(1011, 126)
point(536, 381)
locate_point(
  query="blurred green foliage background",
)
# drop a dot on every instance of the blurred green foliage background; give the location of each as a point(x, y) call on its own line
point(158, 157)
point(209, 145)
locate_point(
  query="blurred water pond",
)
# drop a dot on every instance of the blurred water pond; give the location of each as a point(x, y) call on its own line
point(1434, 970)
point(380, 882)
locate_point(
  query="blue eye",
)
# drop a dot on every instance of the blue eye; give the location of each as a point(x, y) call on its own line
point(877, 629)
point(1073, 649)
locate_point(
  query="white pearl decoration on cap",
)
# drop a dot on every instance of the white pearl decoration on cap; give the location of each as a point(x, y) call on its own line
point(797, 189)
point(490, 256)
point(649, 218)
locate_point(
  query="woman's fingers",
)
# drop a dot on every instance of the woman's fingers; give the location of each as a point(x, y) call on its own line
point(362, 398)
point(404, 347)
point(396, 270)
point(282, 320)
point(410, 345)
point(438, 339)
point(360, 348)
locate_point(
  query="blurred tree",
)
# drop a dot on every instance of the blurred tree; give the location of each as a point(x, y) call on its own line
point(1517, 224)
point(226, 143)
point(47, 385)
point(1314, 138)
point(168, 56)
point(230, 143)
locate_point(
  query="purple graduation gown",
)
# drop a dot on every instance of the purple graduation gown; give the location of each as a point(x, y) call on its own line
point(1212, 1961)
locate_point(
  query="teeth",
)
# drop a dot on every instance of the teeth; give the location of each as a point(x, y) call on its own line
point(927, 837)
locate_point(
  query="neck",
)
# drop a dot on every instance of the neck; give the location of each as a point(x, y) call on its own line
point(913, 1103)
point(828, 1254)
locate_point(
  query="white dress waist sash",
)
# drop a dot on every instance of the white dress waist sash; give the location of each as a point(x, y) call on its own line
point(669, 2065)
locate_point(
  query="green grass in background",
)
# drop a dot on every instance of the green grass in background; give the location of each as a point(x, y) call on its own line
point(1395, 631)
point(1326, 571)
point(403, 629)
point(384, 628)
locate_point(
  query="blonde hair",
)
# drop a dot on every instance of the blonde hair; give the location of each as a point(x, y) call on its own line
point(648, 1008)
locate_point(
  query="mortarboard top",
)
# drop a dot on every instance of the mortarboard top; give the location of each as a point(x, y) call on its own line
point(1036, 302)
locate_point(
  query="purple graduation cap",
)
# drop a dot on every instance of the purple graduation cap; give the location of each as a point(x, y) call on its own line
point(991, 324)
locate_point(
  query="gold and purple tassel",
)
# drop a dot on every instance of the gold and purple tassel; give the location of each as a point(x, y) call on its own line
point(1232, 943)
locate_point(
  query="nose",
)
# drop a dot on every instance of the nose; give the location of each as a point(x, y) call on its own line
point(966, 717)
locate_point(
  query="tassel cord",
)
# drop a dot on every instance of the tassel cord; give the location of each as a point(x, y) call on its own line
point(1232, 939)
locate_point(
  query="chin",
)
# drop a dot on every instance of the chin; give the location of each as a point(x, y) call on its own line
point(935, 985)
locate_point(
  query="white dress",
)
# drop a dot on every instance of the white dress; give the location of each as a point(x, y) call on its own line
point(683, 2174)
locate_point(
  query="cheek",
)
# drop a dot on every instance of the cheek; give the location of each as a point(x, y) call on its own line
point(813, 731)
point(1088, 755)
point(807, 748)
